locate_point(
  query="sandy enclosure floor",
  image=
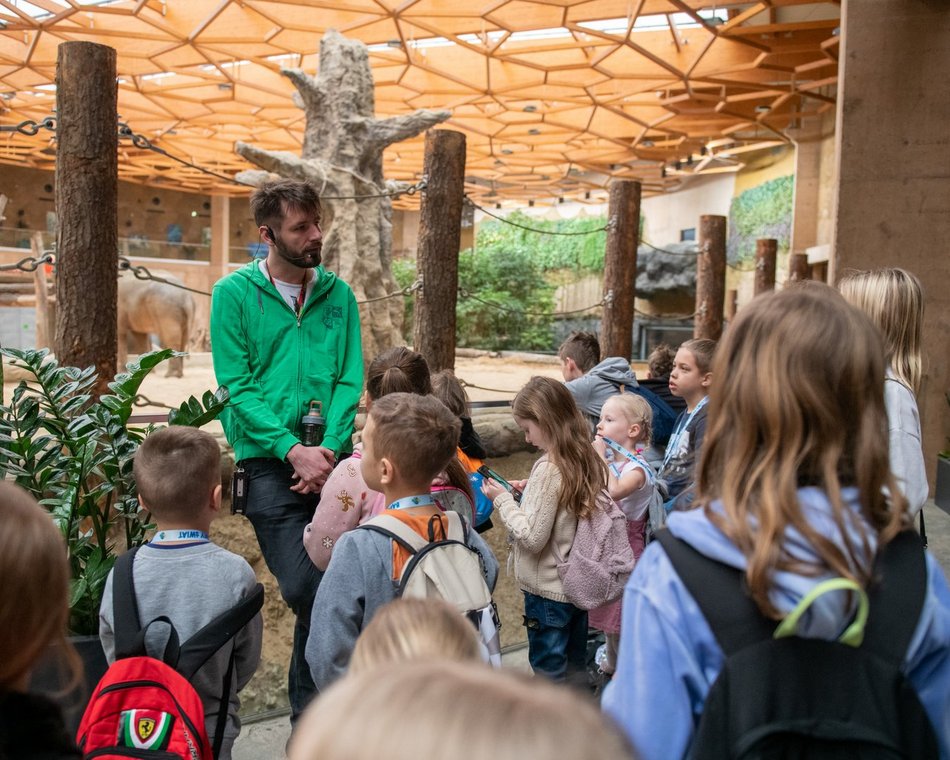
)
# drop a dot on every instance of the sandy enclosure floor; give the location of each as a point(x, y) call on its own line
point(267, 690)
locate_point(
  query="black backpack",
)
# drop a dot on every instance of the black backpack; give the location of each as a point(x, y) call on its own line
point(807, 698)
point(664, 418)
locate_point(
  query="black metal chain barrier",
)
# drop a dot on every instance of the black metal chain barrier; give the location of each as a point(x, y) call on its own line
point(502, 219)
point(142, 273)
point(673, 317)
point(465, 294)
point(30, 127)
point(668, 253)
point(466, 384)
point(141, 400)
point(737, 268)
point(141, 141)
point(405, 292)
point(29, 264)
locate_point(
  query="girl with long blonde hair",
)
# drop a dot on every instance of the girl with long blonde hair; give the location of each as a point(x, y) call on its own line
point(562, 488)
point(894, 301)
point(793, 490)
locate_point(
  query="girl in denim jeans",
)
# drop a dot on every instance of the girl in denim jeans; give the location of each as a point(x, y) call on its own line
point(562, 487)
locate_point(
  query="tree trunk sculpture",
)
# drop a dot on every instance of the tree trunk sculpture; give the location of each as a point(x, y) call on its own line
point(343, 156)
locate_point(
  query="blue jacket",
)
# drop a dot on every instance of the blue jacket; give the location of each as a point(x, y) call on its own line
point(669, 657)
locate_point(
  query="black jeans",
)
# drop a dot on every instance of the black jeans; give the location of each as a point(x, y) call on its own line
point(279, 516)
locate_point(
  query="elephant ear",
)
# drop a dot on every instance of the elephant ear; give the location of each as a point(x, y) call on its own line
point(195, 413)
point(126, 385)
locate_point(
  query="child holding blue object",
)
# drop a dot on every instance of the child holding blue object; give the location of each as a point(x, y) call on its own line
point(793, 490)
point(563, 487)
point(690, 380)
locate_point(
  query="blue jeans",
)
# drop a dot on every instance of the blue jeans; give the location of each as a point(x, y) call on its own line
point(557, 639)
point(279, 516)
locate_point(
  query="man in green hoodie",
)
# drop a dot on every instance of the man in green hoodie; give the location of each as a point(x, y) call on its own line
point(285, 332)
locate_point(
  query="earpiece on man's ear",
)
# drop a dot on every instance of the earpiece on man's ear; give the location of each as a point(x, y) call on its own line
point(271, 238)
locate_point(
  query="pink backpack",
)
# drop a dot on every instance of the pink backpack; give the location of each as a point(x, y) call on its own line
point(601, 560)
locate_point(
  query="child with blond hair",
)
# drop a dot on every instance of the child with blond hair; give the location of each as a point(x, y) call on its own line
point(415, 710)
point(415, 629)
point(894, 300)
point(799, 536)
point(623, 433)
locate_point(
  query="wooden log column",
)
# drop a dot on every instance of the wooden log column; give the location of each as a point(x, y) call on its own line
point(710, 277)
point(798, 267)
point(766, 249)
point(437, 259)
point(620, 269)
point(86, 205)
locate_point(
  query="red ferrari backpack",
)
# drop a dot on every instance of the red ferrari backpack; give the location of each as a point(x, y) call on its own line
point(146, 707)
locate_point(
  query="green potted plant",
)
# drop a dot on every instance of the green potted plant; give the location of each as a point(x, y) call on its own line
point(942, 488)
point(74, 453)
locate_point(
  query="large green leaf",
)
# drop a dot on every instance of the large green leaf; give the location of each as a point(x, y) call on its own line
point(195, 413)
point(125, 386)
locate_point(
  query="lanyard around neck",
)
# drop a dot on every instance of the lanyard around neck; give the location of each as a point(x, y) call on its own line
point(674, 442)
point(616, 447)
point(408, 502)
point(299, 300)
point(177, 538)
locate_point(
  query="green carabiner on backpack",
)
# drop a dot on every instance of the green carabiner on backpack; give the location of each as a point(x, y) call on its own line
point(853, 635)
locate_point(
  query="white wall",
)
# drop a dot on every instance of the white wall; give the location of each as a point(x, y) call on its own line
point(665, 215)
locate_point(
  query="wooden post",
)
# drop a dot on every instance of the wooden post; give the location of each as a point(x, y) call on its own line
point(732, 304)
point(86, 202)
point(765, 252)
point(710, 277)
point(620, 269)
point(437, 258)
point(798, 267)
point(42, 294)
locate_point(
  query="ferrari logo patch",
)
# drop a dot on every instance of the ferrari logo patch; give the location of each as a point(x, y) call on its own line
point(144, 729)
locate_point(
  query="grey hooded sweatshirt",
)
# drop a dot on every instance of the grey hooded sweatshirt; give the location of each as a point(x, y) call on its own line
point(603, 381)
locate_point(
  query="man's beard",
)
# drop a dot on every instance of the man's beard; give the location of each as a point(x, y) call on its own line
point(307, 259)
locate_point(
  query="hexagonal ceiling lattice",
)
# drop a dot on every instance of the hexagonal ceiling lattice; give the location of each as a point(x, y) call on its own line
point(555, 97)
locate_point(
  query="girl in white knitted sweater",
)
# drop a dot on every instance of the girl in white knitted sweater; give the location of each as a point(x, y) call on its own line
point(562, 487)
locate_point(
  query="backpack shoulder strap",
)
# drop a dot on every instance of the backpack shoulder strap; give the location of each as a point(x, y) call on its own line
point(125, 608)
point(719, 590)
point(199, 648)
point(456, 530)
point(396, 530)
point(896, 595)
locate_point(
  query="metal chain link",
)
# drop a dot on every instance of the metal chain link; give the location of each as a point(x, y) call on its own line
point(465, 294)
point(29, 264)
point(405, 292)
point(30, 127)
point(502, 219)
point(142, 273)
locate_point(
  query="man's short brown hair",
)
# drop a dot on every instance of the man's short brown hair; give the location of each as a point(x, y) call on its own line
point(271, 201)
point(583, 348)
point(418, 434)
point(176, 469)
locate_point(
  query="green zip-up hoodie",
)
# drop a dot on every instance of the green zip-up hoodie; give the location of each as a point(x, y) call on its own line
point(274, 362)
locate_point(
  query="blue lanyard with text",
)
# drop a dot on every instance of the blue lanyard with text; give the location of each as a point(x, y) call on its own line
point(170, 539)
point(614, 446)
point(408, 502)
point(674, 441)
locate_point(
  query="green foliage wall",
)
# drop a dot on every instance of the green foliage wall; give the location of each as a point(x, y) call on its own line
point(506, 282)
point(760, 212)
